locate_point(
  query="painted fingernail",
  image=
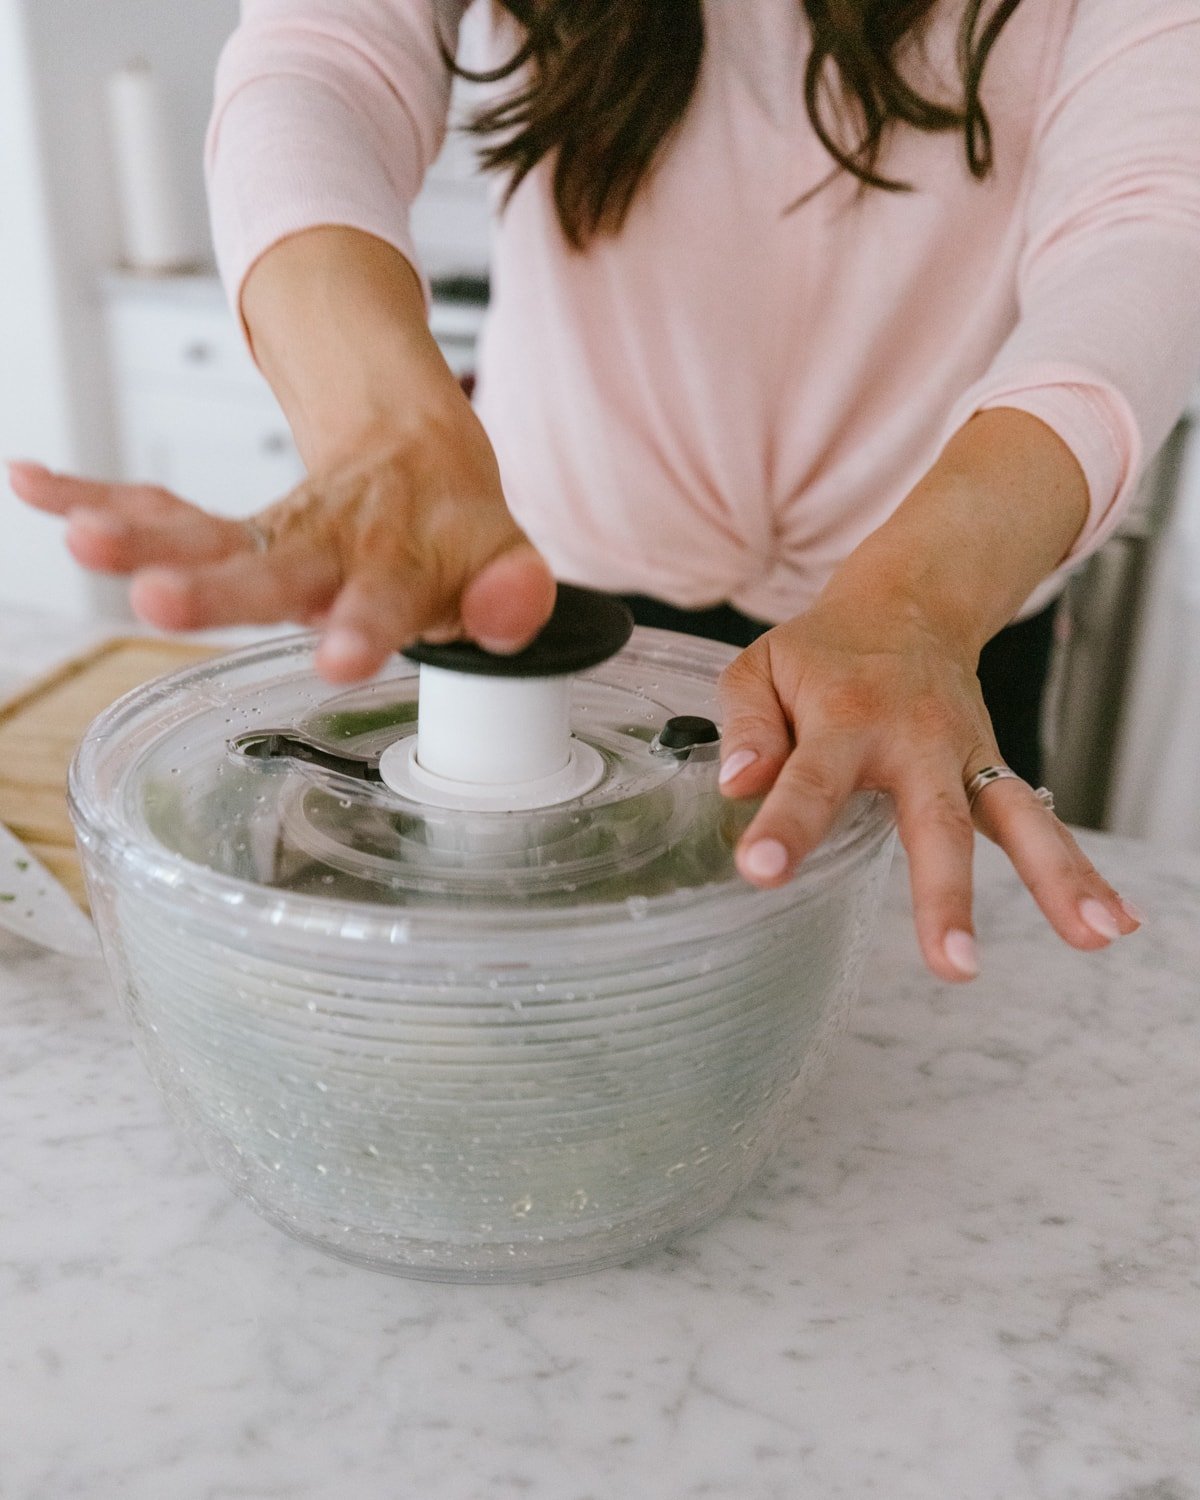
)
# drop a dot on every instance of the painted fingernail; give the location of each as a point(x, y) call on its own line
point(1099, 919)
point(343, 644)
point(735, 764)
point(961, 952)
point(765, 860)
point(1134, 913)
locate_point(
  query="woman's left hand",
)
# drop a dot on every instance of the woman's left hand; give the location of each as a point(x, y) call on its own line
point(837, 701)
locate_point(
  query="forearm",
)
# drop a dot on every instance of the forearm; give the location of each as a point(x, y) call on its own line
point(998, 511)
point(336, 319)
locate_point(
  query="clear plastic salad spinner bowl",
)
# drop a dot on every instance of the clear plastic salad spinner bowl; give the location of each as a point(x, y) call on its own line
point(452, 974)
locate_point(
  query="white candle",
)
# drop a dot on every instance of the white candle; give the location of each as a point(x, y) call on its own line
point(154, 227)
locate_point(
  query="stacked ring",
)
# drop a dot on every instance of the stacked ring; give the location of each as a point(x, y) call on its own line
point(975, 784)
point(257, 535)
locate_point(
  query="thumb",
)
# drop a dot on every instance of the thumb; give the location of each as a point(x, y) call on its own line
point(509, 600)
point(756, 738)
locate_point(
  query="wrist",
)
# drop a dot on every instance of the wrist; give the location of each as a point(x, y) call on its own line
point(380, 411)
point(902, 584)
point(884, 608)
point(995, 515)
point(336, 321)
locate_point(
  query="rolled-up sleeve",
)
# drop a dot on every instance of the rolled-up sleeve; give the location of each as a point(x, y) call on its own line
point(1106, 346)
point(326, 112)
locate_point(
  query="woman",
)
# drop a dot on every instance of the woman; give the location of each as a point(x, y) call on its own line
point(853, 319)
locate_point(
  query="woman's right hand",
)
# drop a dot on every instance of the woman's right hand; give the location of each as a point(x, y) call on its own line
point(406, 536)
point(401, 529)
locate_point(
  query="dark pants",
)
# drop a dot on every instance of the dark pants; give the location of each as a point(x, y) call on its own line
point(1012, 668)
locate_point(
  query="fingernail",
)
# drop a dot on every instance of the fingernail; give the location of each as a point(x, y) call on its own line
point(735, 764)
point(344, 644)
point(961, 952)
point(1099, 919)
point(1134, 913)
point(501, 648)
point(766, 860)
point(96, 521)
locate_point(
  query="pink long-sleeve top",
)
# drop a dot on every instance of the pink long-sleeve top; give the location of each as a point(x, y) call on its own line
point(720, 402)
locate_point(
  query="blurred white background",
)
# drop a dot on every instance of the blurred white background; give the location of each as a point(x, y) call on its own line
point(59, 232)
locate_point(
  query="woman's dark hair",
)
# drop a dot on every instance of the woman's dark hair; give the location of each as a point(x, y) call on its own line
point(608, 81)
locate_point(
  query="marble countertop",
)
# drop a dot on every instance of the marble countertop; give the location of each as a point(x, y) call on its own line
point(973, 1273)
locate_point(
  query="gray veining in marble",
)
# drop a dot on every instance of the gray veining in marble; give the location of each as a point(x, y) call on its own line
point(973, 1273)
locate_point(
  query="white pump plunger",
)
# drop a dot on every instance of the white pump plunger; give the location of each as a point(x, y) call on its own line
point(499, 744)
point(494, 733)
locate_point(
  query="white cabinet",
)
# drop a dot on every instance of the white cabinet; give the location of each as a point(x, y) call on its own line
point(193, 412)
point(229, 454)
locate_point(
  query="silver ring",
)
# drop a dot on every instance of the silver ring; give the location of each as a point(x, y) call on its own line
point(989, 774)
point(257, 535)
point(983, 778)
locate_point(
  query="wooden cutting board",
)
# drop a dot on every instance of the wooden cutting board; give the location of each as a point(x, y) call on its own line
point(41, 726)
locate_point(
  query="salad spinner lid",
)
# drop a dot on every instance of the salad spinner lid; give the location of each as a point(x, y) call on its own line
point(253, 769)
point(247, 784)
